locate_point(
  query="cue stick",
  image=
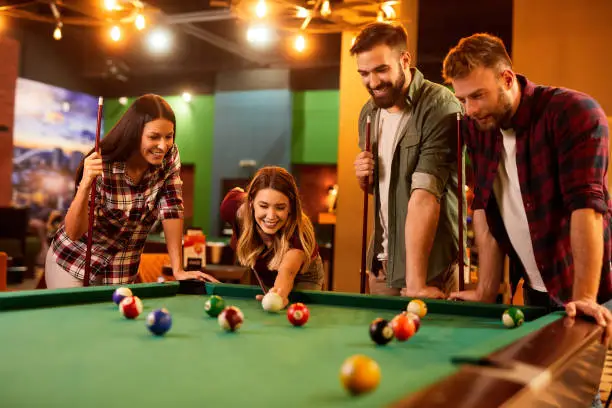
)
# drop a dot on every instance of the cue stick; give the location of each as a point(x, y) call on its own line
point(92, 202)
point(460, 199)
point(261, 285)
point(365, 217)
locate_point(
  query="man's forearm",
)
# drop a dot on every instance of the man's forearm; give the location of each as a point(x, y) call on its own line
point(420, 231)
point(586, 236)
point(490, 259)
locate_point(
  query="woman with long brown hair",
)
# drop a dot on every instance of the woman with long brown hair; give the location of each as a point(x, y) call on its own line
point(271, 233)
point(137, 181)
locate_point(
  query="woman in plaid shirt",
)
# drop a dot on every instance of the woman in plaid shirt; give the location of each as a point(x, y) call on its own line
point(137, 181)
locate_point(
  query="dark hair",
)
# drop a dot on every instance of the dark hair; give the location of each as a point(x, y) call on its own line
point(392, 35)
point(125, 137)
point(478, 50)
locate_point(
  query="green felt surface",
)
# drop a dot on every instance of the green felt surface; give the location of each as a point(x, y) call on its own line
point(89, 355)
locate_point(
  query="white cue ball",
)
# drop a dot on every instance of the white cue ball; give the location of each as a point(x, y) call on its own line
point(272, 302)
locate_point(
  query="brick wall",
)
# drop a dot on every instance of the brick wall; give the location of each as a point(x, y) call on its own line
point(9, 67)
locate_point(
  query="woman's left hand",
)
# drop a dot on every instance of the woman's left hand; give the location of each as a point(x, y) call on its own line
point(201, 276)
point(277, 291)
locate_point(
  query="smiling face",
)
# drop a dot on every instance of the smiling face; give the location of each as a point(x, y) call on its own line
point(384, 73)
point(486, 96)
point(157, 139)
point(271, 210)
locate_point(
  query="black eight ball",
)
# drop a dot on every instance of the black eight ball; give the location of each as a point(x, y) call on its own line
point(380, 331)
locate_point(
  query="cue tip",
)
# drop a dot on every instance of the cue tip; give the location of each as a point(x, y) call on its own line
point(368, 119)
point(100, 101)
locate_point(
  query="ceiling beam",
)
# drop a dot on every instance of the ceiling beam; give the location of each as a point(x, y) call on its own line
point(198, 17)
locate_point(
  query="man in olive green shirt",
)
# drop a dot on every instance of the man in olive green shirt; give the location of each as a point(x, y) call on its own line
point(412, 170)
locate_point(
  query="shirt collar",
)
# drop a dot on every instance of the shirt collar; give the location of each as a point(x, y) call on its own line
point(522, 116)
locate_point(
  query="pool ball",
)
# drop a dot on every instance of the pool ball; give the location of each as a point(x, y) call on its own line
point(418, 307)
point(513, 317)
point(231, 318)
point(359, 374)
point(159, 321)
point(298, 314)
point(415, 319)
point(214, 305)
point(403, 327)
point(121, 293)
point(381, 331)
point(272, 302)
point(131, 307)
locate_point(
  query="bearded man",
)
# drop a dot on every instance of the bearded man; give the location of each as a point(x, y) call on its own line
point(411, 169)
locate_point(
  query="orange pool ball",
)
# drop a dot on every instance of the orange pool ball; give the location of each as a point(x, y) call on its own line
point(360, 374)
point(403, 327)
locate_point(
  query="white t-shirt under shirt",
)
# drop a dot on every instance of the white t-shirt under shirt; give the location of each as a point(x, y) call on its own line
point(387, 140)
point(507, 192)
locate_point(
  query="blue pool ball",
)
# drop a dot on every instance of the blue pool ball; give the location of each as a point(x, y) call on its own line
point(120, 294)
point(159, 321)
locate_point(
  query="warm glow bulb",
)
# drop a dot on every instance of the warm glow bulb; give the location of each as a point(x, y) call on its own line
point(325, 8)
point(115, 33)
point(300, 43)
point(380, 17)
point(302, 13)
point(140, 22)
point(186, 96)
point(159, 41)
point(259, 34)
point(110, 4)
point(261, 9)
point(389, 11)
point(57, 33)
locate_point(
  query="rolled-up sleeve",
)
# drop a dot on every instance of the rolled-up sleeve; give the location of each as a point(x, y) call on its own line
point(582, 139)
point(171, 201)
point(437, 157)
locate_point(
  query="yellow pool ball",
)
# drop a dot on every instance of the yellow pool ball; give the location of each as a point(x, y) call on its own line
point(360, 374)
point(418, 307)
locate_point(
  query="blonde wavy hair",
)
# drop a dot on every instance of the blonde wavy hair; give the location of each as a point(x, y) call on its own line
point(250, 246)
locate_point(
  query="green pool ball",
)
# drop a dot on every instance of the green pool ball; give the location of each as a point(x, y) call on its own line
point(214, 305)
point(513, 317)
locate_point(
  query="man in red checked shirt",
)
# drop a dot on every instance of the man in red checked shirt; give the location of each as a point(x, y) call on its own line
point(540, 159)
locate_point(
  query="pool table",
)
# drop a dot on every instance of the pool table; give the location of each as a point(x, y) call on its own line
point(72, 348)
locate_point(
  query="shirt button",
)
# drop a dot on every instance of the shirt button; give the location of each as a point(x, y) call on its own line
point(528, 205)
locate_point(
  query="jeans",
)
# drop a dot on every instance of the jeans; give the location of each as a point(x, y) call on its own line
point(533, 297)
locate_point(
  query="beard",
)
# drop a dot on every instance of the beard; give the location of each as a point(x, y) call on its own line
point(497, 118)
point(394, 92)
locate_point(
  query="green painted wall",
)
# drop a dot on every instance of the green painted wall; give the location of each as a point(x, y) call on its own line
point(315, 127)
point(194, 137)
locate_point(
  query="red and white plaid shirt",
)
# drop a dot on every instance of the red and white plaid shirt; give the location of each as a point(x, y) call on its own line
point(124, 215)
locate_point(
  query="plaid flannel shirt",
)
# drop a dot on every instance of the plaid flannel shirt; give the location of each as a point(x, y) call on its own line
point(124, 214)
point(562, 161)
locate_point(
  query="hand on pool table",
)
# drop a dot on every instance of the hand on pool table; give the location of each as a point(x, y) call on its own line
point(470, 296)
point(602, 315)
point(430, 292)
point(184, 275)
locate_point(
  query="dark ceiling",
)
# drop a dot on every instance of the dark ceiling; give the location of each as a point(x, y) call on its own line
point(213, 40)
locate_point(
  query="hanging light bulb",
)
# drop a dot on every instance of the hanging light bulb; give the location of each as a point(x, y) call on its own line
point(300, 43)
point(261, 9)
point(302, 12)
point(110, 5)
point(380, 17)
point(115, 33)
point(389, 11)
point(325, 8)
point(140, 22)
point(57, 33)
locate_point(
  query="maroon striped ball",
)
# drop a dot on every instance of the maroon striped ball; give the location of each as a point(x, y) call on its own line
point(231, 318)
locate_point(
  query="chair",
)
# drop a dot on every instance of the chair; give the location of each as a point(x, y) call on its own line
point(13, 236)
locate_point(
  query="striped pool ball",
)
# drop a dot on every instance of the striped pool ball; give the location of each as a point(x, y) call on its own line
point(131, 307)
point(121, 293)
point(159, 321)
point(231, 318)
point(513, 317)
point(214, 305)
point(418, 307)
point(415, 319)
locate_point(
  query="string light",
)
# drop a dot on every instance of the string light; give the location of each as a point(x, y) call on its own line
point(57, 33)
point(302, 12)
point(187, 97)
point(140, 22)
point(261, 9)
point(325, 8)
point(110, 5)
point(389, 11)
point(380, 17)
point(115, 33)
point(300, 43)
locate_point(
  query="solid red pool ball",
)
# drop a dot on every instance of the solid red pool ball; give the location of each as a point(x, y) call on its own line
point(298, 314)
point(403, 327)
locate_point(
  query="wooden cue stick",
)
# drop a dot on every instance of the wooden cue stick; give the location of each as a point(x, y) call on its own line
point(92, 202)
point(364, 236)
point(460, 200)
point(261, 285)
